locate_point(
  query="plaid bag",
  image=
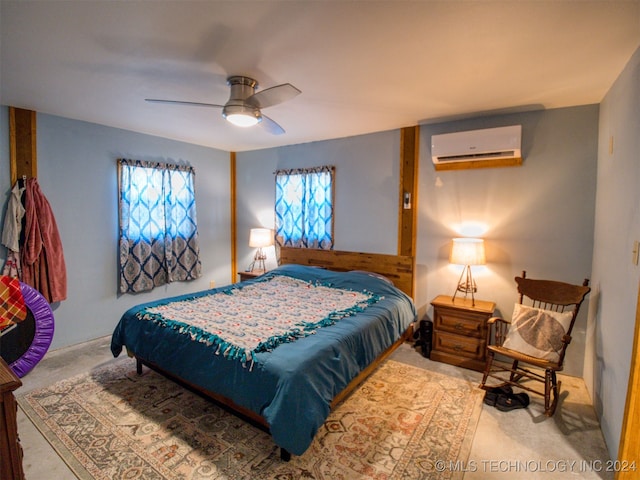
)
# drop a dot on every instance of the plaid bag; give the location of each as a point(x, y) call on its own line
point(13, 309)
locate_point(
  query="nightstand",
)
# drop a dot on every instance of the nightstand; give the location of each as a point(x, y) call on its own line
point(460, 331)
point(249, 275)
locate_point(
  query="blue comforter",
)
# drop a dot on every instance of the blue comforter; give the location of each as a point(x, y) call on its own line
point(292, 386)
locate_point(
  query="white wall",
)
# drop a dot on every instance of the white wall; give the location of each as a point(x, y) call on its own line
point(615, 277)
point(366, 190)
point(77, 174)
point(538, 217)
point(5, 169)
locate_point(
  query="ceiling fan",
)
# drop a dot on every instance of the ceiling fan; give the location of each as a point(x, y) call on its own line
point(244, 106)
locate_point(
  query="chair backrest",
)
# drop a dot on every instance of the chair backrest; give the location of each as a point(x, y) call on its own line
point(555, 296)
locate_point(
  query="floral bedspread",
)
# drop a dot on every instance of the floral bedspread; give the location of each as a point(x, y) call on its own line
point(257, 317)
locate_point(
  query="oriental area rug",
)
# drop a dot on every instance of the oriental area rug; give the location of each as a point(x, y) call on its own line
point(113, 424)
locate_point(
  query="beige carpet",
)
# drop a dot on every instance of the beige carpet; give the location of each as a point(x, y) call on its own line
point(402, 423)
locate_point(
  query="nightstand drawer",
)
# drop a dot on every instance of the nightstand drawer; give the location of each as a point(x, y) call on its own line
point(458, 345)
point(462, 323)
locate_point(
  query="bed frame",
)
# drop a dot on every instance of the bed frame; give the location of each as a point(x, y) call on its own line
point(398, 268)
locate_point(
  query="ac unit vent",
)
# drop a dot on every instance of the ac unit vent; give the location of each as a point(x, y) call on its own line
point(475, 156)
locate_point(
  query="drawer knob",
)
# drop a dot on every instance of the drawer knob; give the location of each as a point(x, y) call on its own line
point(458, 348)
point(459, 326)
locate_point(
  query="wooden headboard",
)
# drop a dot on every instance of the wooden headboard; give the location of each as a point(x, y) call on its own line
point(397, 268)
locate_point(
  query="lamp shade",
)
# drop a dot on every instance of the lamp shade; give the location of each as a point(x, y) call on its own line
point(260, 237)
point(467, 251)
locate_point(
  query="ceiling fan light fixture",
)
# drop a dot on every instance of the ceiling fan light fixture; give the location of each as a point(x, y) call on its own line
point(241, 115)
point(242, 120)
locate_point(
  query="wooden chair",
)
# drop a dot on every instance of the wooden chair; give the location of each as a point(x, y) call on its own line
point(558, 300)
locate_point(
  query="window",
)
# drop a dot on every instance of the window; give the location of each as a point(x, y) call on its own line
point(304, 207)
point(158, 228)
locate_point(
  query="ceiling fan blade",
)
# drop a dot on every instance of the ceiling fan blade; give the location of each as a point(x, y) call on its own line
point(180, 102)
point(271, 126)
point(273, 95)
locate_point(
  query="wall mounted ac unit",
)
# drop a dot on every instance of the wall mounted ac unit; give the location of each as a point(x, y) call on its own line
point(489, 147)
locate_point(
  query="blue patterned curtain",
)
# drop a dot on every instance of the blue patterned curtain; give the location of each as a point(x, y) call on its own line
point(158, 227)
point(304, 207)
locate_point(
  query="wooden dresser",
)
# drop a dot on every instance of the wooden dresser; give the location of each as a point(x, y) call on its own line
point(460, 331)
point(10, 449)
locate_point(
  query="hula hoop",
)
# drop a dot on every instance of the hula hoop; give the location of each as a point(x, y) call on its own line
point(44, 327)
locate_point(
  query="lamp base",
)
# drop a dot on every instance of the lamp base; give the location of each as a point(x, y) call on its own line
point(467, 286)
point(258, 261)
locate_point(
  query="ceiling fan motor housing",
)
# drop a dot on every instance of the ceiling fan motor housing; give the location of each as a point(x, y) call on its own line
point(241, 89)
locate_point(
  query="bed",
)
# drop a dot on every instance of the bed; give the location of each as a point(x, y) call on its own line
point(290, 382)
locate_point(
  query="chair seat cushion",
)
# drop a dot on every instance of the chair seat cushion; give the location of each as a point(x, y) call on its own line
point(521, 357)
point(537, 333)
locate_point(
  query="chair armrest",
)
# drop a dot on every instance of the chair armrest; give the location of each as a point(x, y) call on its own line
point(493, 320)
point(497, 330)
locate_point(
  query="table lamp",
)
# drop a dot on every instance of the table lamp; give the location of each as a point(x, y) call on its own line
point(467, 252)
point(260, 238)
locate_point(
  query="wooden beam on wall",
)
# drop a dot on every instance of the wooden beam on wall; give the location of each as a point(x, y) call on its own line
point(234, 233)
point(22, 143)
point(629, 448)
point(407, 217)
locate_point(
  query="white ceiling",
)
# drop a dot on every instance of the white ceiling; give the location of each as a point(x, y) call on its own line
point(362, 66)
